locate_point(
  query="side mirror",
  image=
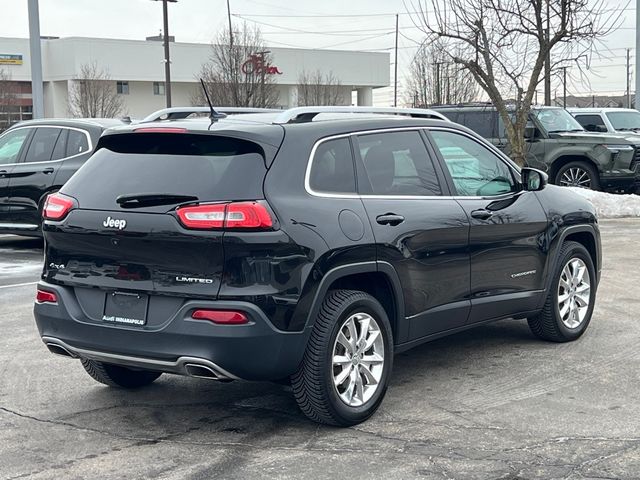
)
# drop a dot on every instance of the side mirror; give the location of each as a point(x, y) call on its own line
point(533, 180)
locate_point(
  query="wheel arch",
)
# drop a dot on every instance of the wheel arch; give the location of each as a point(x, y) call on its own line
point(378, 279)
point(563, 160)
point(586, 236)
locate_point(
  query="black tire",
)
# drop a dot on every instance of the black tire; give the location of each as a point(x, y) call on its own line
point(117, 376)
point(548, 324)
point(579, 166)
point(313, 383)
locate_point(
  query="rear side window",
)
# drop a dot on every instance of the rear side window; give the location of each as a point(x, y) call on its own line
point(332, 168)
point(209, 167)
point(398, 163)
point(77, 143)
point(484, 123)
point(42, 145)
point(592, 123)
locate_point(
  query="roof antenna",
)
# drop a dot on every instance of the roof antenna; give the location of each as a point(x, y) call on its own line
point(213, 115)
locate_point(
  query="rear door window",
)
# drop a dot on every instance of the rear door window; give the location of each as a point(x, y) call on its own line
point(60, 150)
point(332, 168)
point(209, 167)
point(398, 163)
point(42, 144)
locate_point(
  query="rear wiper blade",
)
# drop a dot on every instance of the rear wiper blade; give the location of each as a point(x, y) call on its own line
point(137, 200)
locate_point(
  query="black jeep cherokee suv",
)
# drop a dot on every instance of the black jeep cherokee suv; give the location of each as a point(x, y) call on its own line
point(279, 245)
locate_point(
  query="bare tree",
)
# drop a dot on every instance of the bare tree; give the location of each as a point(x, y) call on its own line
point(316, 88)
point(435, 79)
point(504, 43)
point(93, 94)
point(239, 73)
point(8, 100)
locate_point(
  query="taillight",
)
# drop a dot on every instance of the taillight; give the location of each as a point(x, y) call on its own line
point(231, 215)
point(57, 206)
point(247, 215)
point(43, 296)
point(221, 317)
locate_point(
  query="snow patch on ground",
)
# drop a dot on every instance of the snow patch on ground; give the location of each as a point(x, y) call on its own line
point(610, 205)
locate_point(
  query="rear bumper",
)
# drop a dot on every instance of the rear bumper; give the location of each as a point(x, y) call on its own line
point(257, 351)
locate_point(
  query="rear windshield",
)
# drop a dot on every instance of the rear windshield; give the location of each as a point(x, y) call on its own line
point(211, 168)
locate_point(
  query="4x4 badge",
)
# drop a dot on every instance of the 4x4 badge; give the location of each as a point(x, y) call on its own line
point(114, 223)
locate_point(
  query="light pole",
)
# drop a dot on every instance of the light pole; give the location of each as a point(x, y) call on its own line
point(167, 59)
point(37, 93)
point(637, 51)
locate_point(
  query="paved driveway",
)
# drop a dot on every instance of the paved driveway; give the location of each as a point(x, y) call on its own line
point(490, 403)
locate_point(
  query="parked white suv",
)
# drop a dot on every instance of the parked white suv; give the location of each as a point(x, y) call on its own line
point(608, 120)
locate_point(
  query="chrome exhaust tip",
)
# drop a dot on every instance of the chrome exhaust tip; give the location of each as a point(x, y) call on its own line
point(201, 371)
point(60, 350)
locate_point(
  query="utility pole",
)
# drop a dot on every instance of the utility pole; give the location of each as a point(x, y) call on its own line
point(547, 63)
point(167, 58)
point(628, 78)
point(564, 86)
point(438, 84)
point(35, 50)
point(395, 68)
point(637, 51)
point(230, 27)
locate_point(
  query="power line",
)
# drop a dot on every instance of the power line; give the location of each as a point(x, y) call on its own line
point(352, 15)
point(357, 41)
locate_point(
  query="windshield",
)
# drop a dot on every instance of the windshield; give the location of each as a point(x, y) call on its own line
point(624, 120)
point(555, 120)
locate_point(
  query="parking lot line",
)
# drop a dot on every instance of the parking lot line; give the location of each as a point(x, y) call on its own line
point(18, 285)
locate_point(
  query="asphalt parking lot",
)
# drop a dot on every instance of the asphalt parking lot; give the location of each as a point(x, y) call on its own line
point(490, 403)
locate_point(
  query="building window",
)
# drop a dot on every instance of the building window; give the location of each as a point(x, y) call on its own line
point(158, 88)
point(122, 88)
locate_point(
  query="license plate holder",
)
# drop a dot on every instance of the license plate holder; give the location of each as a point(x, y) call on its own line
point(124, 308)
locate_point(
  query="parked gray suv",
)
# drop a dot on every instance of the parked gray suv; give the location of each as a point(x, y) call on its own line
point(559, 145)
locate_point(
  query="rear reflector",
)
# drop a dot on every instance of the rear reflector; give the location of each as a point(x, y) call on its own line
point(160, 130)
point(221, 317)
point(231, 216)
point(46, 297)
point(57, 206)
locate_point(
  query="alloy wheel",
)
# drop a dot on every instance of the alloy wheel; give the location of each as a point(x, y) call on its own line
point(358, 359)
point(575, 177)
point(574, 293)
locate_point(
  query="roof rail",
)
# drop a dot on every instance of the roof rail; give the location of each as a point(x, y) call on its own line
point(179, 113)
point(307, 114)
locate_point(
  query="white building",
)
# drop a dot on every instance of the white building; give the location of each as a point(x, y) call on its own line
point(138, 70)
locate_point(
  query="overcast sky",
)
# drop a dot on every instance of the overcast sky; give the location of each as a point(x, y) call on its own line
point(348, 24)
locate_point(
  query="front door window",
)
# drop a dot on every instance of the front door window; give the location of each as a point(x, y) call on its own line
point(11, 144)
point(474, 169)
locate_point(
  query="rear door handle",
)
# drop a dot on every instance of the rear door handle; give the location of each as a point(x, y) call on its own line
point(3, 173)
point(48, 170)
point(481, 214)
point(390, 219)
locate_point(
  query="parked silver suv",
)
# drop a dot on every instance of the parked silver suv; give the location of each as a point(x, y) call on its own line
point(608, 120)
